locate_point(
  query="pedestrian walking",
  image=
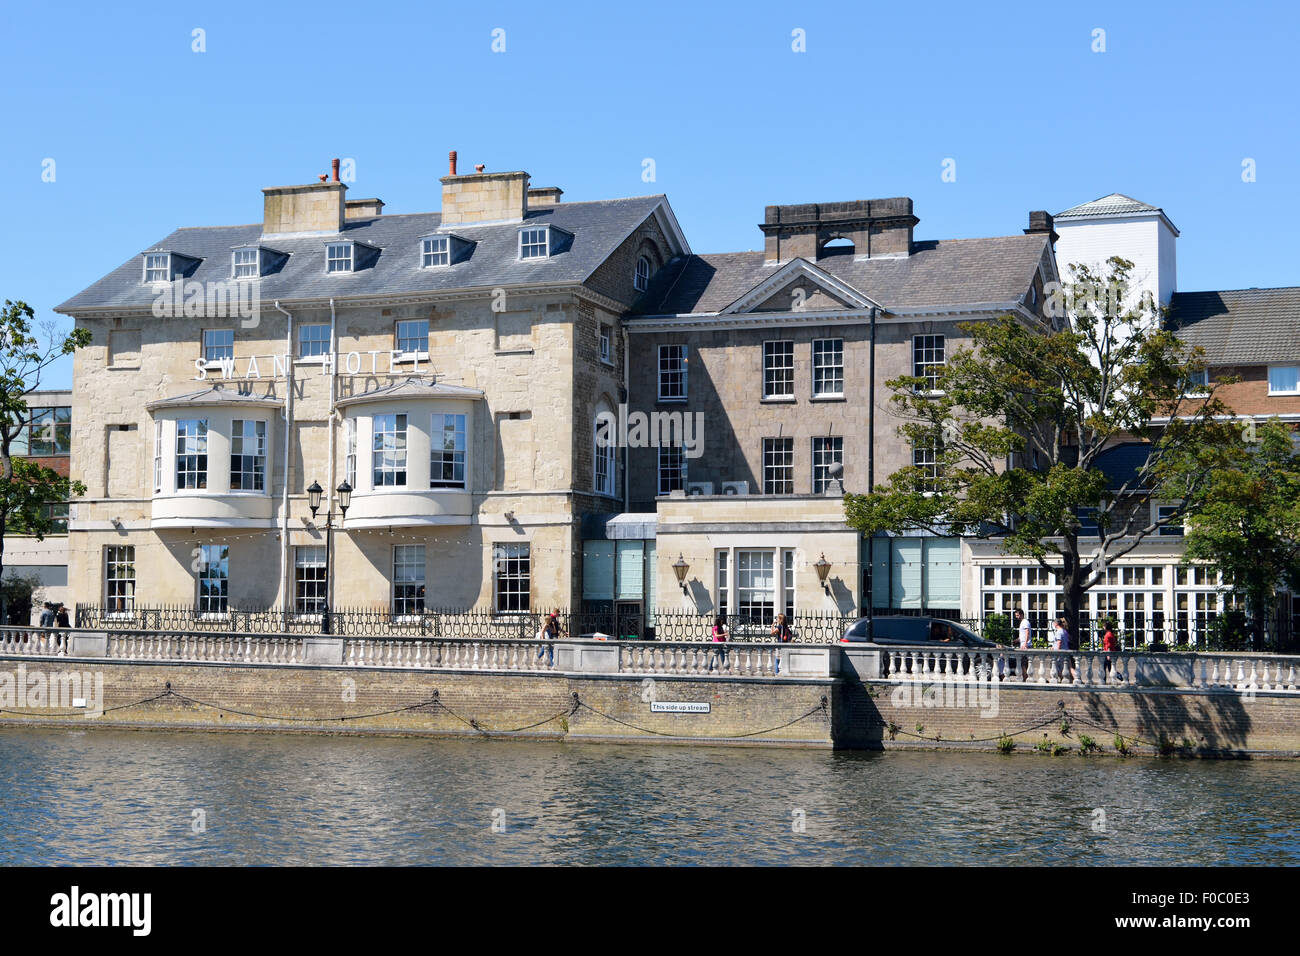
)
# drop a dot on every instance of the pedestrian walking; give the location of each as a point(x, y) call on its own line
point(1109, 644)
point(1023, 640)
point(549, 632)
point(781, 631)
point(47, 615)
point(1061, 640)
point(720, 635)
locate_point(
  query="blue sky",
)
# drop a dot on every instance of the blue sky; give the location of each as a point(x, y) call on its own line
point(147, 135)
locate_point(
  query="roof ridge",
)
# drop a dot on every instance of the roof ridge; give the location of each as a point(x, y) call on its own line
point(1270, 288)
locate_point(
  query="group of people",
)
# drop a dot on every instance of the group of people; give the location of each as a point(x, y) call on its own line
point(54, 614)
point(1062, 641)
point(780, 630)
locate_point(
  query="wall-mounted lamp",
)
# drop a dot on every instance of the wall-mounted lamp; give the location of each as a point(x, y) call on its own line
point(680, 567)
point(823, 569)
point(510, 516)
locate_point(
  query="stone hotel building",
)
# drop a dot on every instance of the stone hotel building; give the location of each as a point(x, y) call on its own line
point(482, 378)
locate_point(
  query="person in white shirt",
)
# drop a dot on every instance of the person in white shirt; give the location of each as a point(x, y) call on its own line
point(1023, 639)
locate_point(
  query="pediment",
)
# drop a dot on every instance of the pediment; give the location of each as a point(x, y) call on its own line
point(799, 286)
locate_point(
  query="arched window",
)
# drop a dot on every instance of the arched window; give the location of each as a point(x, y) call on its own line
point(605, 453)
point(642, 278)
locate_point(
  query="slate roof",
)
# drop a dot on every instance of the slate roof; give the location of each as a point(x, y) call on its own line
point(938, 274)
point(412, 388)
point(1116, 204)
point(216, 395)
point(1240, 326)
point(597, 228)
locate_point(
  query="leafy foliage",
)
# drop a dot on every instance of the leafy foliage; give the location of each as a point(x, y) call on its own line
point(1249, 526)
point(27, 489)
point(1051, 399)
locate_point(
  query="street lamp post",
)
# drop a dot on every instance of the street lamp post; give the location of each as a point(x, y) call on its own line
point(313, 500)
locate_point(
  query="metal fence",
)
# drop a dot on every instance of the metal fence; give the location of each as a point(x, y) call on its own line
point(453, 623)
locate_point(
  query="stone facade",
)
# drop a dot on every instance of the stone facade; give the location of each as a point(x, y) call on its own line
point(521, 362)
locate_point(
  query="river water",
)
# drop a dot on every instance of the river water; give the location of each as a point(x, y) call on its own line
point(120, 797)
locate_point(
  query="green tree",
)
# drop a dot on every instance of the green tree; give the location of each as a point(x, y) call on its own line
point(1018, 422)
point(1249, 525)
point(26, 488)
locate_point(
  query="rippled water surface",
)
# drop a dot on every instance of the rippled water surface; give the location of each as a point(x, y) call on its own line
point(110, 797)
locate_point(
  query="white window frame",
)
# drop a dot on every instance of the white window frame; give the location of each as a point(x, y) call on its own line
point(772, 449)
point(828, 360)
point(459, 454)
point(409, 606)
point(681, 371)
point(119, 589)
point(207, 355)
point(923, 352)
point(258, 455)
point(435, 252)
point(350, 451)
point(827, 450)
point(672, 458)
point(604, 467)
point(1198, 385)
point(255, 265)
point(530, 243)
point(203, 603)
point(1292, 391)
point(400, 447)
point(314, 340)
point(929, 457)
point(505, 570)
point(641, 276)
point(771, 370)
point(310, 607)
point(604, 334)
point(398, 338)
point(157, 262)
point(157, 456)
point(338, 255)
point(1169, 530)
point(202, 465)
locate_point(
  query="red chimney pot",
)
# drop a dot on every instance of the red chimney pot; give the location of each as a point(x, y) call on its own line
point(335, 167)
point(479, 168)
point(451, 159)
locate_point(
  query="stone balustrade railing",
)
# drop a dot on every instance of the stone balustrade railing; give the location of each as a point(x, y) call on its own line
point(1226, 671)
point(1240, 672)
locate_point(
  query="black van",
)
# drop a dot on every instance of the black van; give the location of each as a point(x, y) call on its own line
point(904, 629)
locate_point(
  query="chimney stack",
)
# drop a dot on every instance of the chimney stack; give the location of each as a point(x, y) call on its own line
point(483, 197)
point(316, 208)
point(1041, 221)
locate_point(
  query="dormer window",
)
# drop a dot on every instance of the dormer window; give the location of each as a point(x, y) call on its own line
point(641, 280)
point(338, 257)
point(435, 251)
point(534, 243)
point(246, 264)
point(158, 267)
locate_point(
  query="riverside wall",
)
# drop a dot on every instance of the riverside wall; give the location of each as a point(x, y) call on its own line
point(840, 710)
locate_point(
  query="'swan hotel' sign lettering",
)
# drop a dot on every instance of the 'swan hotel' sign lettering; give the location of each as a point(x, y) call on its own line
point(276, 366)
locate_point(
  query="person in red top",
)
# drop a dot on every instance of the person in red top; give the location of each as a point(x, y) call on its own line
point(1109, 643)
point(719, 637)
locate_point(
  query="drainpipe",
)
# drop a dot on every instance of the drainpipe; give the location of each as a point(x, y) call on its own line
point(627, 477)
point(287, 412)
point(867, 599)
point(334, 371)
point(871, 407)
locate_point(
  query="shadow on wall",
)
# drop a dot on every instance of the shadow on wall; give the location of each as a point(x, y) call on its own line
point(1213, 722)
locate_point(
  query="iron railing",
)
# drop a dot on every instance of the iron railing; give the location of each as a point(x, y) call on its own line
point(460, 624)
